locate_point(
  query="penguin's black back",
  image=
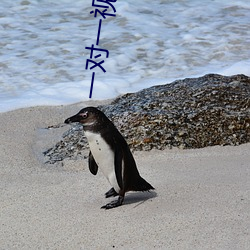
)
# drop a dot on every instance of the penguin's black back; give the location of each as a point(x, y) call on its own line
point(132, 180)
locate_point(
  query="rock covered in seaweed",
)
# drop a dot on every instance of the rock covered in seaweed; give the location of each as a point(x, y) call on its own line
point(190, 113)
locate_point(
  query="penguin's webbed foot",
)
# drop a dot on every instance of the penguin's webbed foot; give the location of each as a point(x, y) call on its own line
point(111, 193)
point(113, 204)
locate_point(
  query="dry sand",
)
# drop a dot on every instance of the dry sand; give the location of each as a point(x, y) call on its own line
point(201, 201)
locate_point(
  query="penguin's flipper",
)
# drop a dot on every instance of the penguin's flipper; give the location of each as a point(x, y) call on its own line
point(118, 166)
point(115, 203)
point(111, 193)
point(93, 167)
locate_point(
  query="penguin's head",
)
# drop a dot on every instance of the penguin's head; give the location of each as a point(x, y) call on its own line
point(88, 117)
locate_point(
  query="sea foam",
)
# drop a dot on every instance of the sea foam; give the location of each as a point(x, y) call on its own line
point(43, 55)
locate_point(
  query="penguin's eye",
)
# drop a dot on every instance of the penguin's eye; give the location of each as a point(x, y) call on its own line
point(84, 115)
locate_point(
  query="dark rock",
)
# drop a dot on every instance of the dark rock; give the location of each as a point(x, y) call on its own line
point(190, 113)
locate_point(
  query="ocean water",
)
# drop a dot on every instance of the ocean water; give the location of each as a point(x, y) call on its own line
point(43, 55)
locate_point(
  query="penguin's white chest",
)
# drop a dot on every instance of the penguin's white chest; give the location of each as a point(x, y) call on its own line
point(104, 157)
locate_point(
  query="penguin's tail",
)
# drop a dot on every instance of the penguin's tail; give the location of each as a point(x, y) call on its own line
point(141, 185)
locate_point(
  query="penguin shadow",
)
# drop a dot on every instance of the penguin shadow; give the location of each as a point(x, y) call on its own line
point(137, 198)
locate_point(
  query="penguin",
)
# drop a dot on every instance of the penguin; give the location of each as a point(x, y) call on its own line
point(110, 152)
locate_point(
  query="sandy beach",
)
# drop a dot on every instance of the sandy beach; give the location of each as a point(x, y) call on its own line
point(201, 198)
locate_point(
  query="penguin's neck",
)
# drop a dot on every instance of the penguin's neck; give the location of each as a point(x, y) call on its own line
point(95, 128)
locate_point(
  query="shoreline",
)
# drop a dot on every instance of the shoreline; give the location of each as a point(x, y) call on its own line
point(201, 198)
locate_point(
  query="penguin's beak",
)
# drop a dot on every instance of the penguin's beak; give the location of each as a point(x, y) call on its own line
point(74, 118)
